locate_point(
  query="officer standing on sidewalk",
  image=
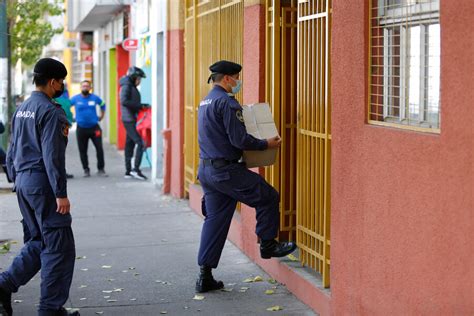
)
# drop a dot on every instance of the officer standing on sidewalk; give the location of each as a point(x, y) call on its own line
point(36, 163)
point(222, 138)
point(88, 127)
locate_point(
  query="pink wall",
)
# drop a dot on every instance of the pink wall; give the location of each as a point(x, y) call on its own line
point(402, 225)
point(174, 166)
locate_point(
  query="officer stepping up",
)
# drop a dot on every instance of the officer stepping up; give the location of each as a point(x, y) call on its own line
point(222, 139)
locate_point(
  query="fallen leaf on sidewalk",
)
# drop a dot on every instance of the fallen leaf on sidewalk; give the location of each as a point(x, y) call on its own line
point(106, 267)
point(118, 290)
point(124, 271)
point(158, 281)
point(133, 299)
point(131, 268)
point(163, 312)
point(269, 292)
point(5, 248)
point(136, 274)
point(81, 257)
point(243, 289)
point(13, 242)
point(274, 308)
point(258, 279)
point(231, 284)
point(249, 280)
point(82, 299)
point(85, 269)
point(107, 296)
point(99, 313)
point(292, 258)
point(226, 290)
point(82, 286)
point(272, 281)
point(72, 310)
point(111, 301)
point(111, 280)
point(198, 297)
point(17, 301)
point(107, 291)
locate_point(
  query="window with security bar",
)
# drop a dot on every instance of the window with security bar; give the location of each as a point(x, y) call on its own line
point(405, 64)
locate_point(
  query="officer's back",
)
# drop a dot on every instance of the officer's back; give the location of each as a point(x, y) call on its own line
point(31, 121)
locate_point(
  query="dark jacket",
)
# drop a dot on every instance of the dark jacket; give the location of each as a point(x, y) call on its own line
point(130, 100)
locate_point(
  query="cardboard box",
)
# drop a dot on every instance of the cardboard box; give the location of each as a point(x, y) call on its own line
point(259, 122)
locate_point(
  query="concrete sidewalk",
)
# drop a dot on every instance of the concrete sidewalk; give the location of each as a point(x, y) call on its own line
point(137, 252)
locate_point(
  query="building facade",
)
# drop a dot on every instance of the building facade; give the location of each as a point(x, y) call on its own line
point(371, 100)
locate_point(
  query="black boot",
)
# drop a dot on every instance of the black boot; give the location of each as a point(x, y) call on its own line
point(5, 303)
point(206, 282)
point(273, 248)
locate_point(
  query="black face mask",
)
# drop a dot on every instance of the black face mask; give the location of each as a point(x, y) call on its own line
point(85, 92)
point(58, 93)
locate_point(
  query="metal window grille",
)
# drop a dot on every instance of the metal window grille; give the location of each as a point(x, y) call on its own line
point(404, 72)
point(205, 42)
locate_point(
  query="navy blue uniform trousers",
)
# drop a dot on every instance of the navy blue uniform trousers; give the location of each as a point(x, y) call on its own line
point(223, 188)
point(49, 244)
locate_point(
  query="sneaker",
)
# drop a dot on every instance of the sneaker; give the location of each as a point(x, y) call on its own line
point(5, 303)
point(137, 174)
point(102, 173)
point(69, 176)
point(87, 173)
point(127, 175)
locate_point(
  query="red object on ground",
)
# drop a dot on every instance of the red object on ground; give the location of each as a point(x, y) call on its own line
point(144, 126)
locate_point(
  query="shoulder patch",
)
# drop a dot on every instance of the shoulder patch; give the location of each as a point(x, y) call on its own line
point(239, 115)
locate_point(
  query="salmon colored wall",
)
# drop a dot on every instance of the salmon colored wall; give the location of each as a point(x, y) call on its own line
point(402, 201)
point(174, 169)
point(122, 67)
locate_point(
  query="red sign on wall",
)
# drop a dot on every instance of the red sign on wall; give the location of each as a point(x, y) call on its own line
point(130, 44)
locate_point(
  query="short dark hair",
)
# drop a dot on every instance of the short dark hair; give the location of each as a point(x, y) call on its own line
point(40, 80)
point(217, 77)
point(88, 81)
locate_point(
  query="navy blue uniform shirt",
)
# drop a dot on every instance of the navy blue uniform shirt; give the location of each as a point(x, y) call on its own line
point(221, 128)
point(39, 138)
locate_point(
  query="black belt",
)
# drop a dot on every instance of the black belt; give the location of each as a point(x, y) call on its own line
point(218, 163)
point(32, 171)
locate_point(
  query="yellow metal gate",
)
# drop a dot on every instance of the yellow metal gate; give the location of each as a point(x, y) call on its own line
point(281, 95)
point(314, 135)
point(206, 42)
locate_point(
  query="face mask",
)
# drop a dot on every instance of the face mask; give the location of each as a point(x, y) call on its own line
point(236, 88)
point(58, 93)
point(85, 92)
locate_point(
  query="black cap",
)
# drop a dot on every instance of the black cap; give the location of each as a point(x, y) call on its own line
point(50, 68)
point(224, 67)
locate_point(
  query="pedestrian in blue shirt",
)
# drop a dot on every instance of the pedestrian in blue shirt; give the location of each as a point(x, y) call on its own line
point(225, 180)
point(88, 127)
point(36, 163)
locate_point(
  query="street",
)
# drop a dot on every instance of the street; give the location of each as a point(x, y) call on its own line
point(136, 252)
